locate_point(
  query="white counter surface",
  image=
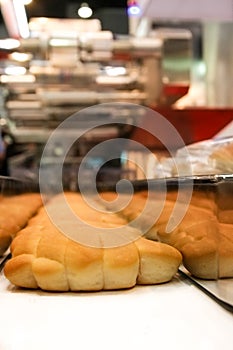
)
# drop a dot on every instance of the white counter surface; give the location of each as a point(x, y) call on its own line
point(176, 315)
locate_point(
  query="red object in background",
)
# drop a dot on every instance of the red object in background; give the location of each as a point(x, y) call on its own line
point(3, 55)
point(173, 92)
point(193, 125)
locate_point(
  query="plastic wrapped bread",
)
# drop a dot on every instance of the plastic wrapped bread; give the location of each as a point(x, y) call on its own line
point(212, 156)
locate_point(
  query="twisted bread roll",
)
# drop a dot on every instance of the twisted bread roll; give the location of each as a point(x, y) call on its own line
point(204, 236)
point(15, 211)
point(205, 243)
point(42, 257)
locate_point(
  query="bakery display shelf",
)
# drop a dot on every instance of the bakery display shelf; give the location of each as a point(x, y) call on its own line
point(7, 287)
point(220, 185)
point(172, 183)
point(174, 315)
point(15, 186)
point(220, 290)
point(177, 314)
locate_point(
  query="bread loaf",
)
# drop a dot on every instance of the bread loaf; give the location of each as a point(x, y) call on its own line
point(205, 243)
point(15, 211)
point(43, 257)
point(204, 236)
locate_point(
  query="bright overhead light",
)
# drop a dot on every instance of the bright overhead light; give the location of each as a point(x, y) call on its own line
point(14, 70)
point(84, 11)
point(20, 56)
point(26, 2)
point(115, 71)
point(9, 44)
point(133, 8)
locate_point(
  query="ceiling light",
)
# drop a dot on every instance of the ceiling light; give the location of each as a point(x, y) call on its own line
point(27, 2)
point(133, 8)
point(20, 56)
point(84, 11)
point(9, 44)
point(15, 70)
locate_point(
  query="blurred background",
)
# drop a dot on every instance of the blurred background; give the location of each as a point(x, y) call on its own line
point(60, 57)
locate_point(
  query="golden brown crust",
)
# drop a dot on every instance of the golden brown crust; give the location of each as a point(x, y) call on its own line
point(226, 250)
point(49, 274)
point(44, 258)
point(158, 262)
point(202, 238)
point(84, 267)
point(20, 271)
point(15, 212)
point(120, 267)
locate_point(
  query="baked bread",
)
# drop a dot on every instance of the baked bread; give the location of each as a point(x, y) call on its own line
point(225, 249)
point(204, 236)
point(15, 211)
point(204, 241)
point(43, 257)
